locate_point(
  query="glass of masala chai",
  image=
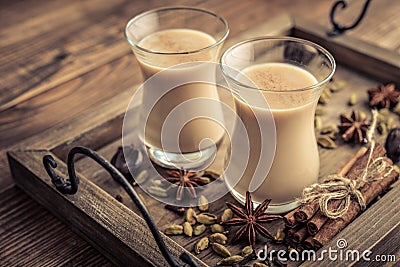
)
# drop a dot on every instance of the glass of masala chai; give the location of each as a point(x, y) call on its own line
point(173, 46)
point(276, 83)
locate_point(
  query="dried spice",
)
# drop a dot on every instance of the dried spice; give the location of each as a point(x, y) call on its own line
point(190, 216)
point(226, 215)
point(142, 177)
point(246, 251)
point(385, 96)
point(326, 142)
point(157, 191)
point(184, 179)
point(353, 99)
point(178, 210)
point(220, 250)
point(187, 229)
point(392, 145)
point(206, 218)
point(218, 238)
point(173, 229)
point(353, 128)
point(259, 264)
point(199, 229)
point(229, 261)
point(201, 245)
point(217, 228)
point(280, 236)
point(203, 203)
point(250, 220)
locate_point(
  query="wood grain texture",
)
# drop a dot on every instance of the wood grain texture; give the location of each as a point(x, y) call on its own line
point(36, 234)
point(49, 47)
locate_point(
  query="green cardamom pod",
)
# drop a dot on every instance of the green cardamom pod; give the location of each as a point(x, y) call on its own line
point(203, 203)
point(157, 191)
point(201, 245)
point(246, 251)
point(217, 228)
point(220, 250)
point(353, 99)
point(187, 229)
point(230, 260)
point(190, 216)
point(326, 142)
point(280, 236)
point(218, 238)
point(142, 177)
point(206, 218)
point(173, 229)
point(199, 229)
point(226, 215)
point(259, 264)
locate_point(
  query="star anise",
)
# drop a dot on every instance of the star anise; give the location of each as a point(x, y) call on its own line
point(353, 128)
point(385, 96)
point(184, 179)
point(250, 220)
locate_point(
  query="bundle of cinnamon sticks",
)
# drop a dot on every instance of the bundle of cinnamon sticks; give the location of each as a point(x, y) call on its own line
point(310, 228)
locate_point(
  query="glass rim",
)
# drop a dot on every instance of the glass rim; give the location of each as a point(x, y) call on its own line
point(200, 10)
point(280, 38)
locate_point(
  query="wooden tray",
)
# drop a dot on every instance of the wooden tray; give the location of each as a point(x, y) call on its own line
point(121, 234)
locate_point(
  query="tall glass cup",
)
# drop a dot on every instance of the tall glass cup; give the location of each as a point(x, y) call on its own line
point(161, 40)
point(276, 83)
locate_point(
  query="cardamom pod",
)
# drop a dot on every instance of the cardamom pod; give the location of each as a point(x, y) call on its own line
point(211, 174)
point(337, 86)
point(390, 123)
point(226, 215)
point(218, 238)
point(220, 250)
point(203, 203)
point(157, 191)
point(326, 142)
point(382, 129)
point(157, 182)
point(201, 245)
point(142, 177)
point(396, 109)
point(199, 229)
point(205, 180)
point(361, 114)
point(229, 261)
point(173, 229)
point(187, 229)
point(328, 129)
point(317, 123)
point(217, 228)
point(190, 216)
point(323, 99)
point(319, 111)
point(259, 264)
point(206, 218)
point(353, 99)
point(280, 236)
point(246, 251)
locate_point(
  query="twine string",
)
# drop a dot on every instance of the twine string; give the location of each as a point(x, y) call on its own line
point(336, 187)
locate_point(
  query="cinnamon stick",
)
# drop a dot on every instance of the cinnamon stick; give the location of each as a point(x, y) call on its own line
point(312, 211)
point(369, 191)
point(289, 219)
point(300, 235)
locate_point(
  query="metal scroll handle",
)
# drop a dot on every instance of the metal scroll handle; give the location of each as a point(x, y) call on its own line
point(338, 29)
point(70, 186)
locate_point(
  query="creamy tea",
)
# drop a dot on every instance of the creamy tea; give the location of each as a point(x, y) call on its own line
point(296, 162)
point(194, 131)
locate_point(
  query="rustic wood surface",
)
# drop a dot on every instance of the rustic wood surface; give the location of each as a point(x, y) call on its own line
point(62, 59)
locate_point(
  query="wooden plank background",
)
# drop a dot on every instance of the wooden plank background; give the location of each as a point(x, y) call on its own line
point(62, 59)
